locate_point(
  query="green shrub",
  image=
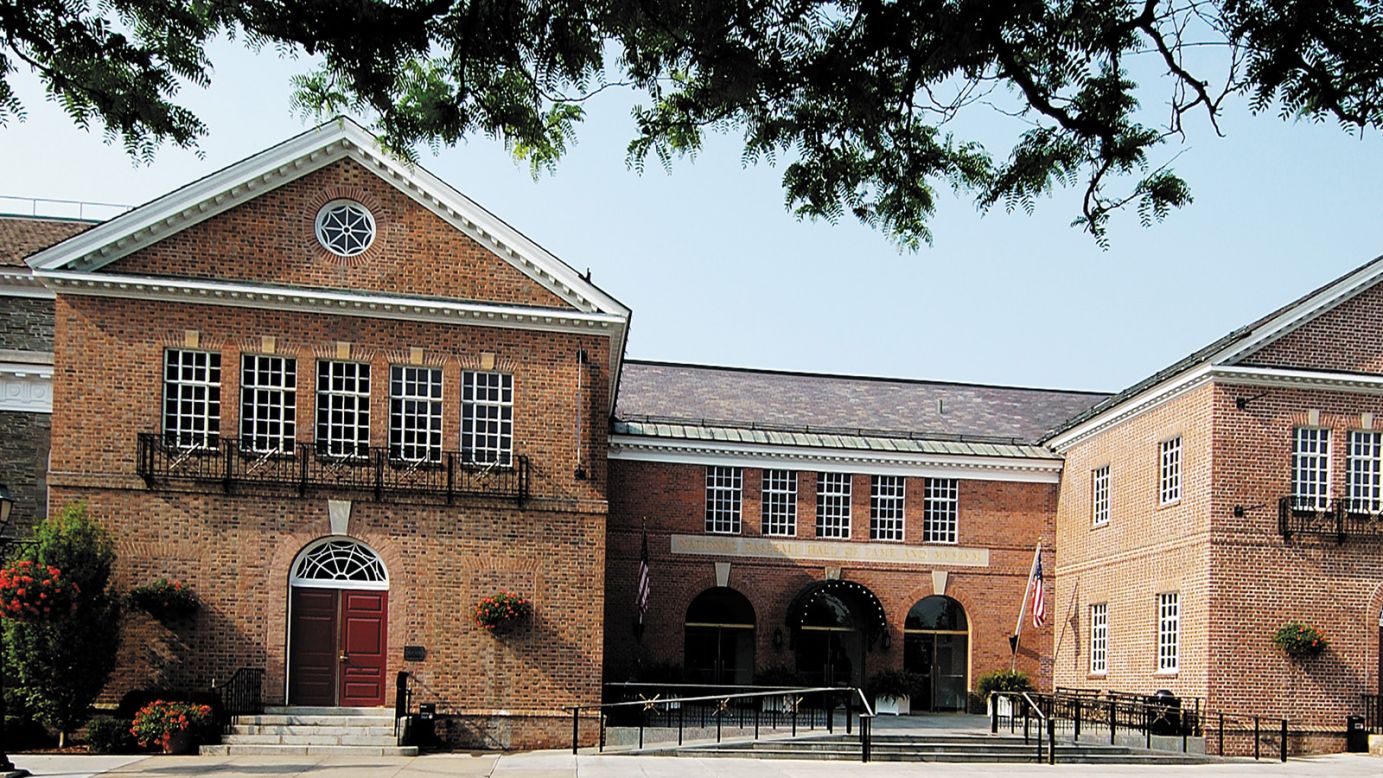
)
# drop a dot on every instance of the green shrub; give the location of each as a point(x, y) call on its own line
point(1003, 681)
point(107, 735)
point(892, 683)
point(779, 675)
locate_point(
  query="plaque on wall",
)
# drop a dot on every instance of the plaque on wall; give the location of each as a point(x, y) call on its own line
point(414, 653)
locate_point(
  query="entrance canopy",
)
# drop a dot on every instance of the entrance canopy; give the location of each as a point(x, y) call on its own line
point(837, 604)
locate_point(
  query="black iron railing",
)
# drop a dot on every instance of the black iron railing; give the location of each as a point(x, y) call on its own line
point(305, 468)
point(1373, 713)
point(241, 695)
point(1339, 519)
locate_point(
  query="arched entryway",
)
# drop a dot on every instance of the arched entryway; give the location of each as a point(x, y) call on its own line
point(936, 646)
point(719, 647)
point(338, 625)
point(833, 625)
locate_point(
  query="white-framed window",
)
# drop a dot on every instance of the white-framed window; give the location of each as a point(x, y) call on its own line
point(833, 505)
point(886, 507)
point(415, 413)
point(1169, 484)
point(268, 403)
point(779, 504)
point(1365, 467)
point(1099, 496)
point(487, 418)
point(1311, 467)
point(345, 228)
point(724, 490)
point(191, 398)
point(343, 409)
point(1099, 638)
point(1168, 632)
point(940, 510)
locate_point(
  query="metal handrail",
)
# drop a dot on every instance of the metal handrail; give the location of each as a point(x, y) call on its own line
point(241, 695)
point(793, 695)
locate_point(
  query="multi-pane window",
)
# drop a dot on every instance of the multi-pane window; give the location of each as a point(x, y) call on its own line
point(1169, 490)
point(268, 403)
point(343, 409)
point(1363, 476)
point(833, 505)
point(1099, 638)
point(1310, 467)
point(1099, 496)
point(415, 413)
point(191, 398)
point(886, 507)
point(1168, 631)
point(487, 418)
point(724, 489)
point(940, 510)
point(779, 504)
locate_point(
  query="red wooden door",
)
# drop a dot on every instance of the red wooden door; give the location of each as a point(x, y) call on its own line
point(364, 634)
point(312, 644)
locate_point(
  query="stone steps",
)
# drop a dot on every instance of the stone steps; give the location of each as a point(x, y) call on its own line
point(307, 731)
point(230, 749)
point(951, 748)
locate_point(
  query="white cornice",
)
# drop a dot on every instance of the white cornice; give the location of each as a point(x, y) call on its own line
point(330, 302)
point(639, 448)
point(26, 387)
point(1286, 378)
point(1140, 403)
point(20, 282)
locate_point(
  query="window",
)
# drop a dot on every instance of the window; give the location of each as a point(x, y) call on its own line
point(487, 418)
point(345, 228)
point(343, 409)
point(1168, 629)
point(191, 398)
point(1170, 482)
point(886, 507)
point(939, 510)
point(268, 403)
point(1363, 481)
point(1099, 496)
point(1310, 467)
point(1099, 638)
point(779, 502)
point(833, 505)
point(724, 488)
point(415, 414)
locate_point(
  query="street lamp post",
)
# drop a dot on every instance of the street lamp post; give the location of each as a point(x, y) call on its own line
point(6, 543)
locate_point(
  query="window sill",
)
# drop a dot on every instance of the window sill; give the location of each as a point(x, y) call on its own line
point(1169, 504)
point(1097, 676)
point(1167, 673)
point(1101, 525)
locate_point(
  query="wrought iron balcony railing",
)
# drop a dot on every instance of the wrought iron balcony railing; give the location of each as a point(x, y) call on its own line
point(305, 468)
point(1341, 519)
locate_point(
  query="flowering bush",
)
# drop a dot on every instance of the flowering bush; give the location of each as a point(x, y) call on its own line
point(501, 608)
point(156, 723)
point(165, 598)
point(1300, 641)
point(34, 592)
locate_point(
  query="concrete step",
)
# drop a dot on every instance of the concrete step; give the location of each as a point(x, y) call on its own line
point(947, 757)
point(315, 720)
point(231, 749)
point(311, 729)
point(323, 710)
point(312, 740)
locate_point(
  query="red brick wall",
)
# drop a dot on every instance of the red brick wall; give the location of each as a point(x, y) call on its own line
point(272, 239)
point(1348, 337)
point(1007, 518)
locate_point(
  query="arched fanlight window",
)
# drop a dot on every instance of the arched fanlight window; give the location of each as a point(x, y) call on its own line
point(720, 606)
point(339, 563)
point(937, 613)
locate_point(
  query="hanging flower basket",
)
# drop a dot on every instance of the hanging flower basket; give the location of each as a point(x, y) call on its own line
point(165, 598)
point(171, 726)
point(502, 610)
point(1300, 641)
point(34, 592)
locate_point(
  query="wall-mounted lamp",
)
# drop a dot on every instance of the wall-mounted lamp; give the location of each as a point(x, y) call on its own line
point(887, 641)
point(1240, 510)
point(778, 637)
point(1243, 402)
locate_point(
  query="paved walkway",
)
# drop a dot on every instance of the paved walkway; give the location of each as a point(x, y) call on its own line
point(556, 764)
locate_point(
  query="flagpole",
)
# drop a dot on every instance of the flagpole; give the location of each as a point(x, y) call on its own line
point(1023, 609)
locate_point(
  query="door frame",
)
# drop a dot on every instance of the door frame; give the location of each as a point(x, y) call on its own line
point(933, 633)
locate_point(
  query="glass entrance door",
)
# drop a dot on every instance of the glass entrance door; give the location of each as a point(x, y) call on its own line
point(936, 646)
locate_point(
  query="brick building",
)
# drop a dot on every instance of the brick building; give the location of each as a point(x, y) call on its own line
point(344, 403)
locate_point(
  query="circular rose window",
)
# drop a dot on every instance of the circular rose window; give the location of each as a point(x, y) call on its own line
point(345, 228)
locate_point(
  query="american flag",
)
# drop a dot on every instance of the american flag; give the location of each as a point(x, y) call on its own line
point(1039, 598)
point(641, 598)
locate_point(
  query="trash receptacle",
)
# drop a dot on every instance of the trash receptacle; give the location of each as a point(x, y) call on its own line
point(1164, 713)
point(1356, 737)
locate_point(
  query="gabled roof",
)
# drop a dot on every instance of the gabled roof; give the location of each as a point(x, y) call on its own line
point(21, 236)
point(340, 138)
point(676, 397)
point(1233, 348)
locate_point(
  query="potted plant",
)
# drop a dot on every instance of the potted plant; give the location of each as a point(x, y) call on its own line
point(1002, 681)
point(172, 726)
point(1300, 641)
point(33, 592)
point(778, 675)
point(165, 598)
point(891, 691)
point(501, 610)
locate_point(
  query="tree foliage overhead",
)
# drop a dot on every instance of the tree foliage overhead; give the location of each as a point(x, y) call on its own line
point(861, 100)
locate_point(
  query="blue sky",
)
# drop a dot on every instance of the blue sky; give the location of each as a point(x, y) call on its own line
point(717, 271)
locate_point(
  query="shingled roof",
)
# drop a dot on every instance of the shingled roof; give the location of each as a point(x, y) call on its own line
point(21, 236)
point(708, 396)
